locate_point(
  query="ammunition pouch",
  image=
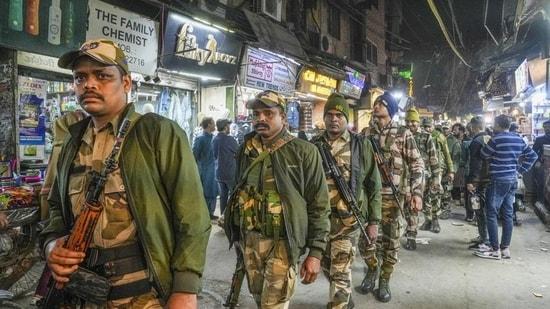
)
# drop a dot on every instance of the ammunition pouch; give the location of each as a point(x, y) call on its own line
point(91, 283)
point(87, 285)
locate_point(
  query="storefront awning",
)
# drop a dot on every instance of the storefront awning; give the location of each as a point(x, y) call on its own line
point(275, 37)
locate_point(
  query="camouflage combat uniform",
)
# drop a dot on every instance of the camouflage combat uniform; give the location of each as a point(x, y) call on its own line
point(403, 158)
point(455, 151)
point(432, 208)
point(344, 233)
point(115, 226)
point(432, 178)
point(264, 217)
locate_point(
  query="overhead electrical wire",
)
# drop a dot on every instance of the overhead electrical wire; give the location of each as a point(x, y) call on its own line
point(432, 6)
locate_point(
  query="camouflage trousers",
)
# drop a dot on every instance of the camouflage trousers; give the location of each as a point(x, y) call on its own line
point(432, 204)
point(387, 244)
point(145, 301)
point(271, 278)
point(412, 222)
point(446, 197)
point(337, 261)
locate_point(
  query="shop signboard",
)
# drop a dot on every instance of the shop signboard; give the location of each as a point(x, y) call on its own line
point(135, 34)
point(266, 71)
point(522, 77)
point(41, 62)
point(353, 85)
point(32, 121)
point(198, 49)
point(317, 83)
point(50, 27)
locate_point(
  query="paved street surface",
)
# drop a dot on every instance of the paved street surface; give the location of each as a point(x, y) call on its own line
point(441, 274)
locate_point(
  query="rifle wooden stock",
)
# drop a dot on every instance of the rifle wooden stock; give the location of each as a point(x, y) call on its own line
point(81, 236)
point(82, 232)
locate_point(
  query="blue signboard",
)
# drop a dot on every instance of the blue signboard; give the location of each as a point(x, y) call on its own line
point(353, 85)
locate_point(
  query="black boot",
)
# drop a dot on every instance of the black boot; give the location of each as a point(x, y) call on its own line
point(435, 226)
point(368, 283)
point(411, 244)
point(445, 214)
point(384, 293)
point(427, 225)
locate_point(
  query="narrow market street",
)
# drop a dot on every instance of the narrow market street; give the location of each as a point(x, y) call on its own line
point(441, 274)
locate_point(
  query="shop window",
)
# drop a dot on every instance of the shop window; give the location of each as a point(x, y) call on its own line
point(372, 53)
point(334, 21)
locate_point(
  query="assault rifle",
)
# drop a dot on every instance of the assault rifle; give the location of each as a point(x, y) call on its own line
point(82, 232)
point(385, 172)
point(232, 300)
point(332, 170)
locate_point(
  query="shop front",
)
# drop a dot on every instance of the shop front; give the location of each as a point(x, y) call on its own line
point(207, 55)
point(264, 70)
point(313, 90)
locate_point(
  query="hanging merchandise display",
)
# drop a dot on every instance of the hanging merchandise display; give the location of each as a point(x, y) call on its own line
point(293, 114)
point(173, 103)
point(306, 116)
point(48, 26)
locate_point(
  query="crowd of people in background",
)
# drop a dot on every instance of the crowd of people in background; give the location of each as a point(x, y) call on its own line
point(463, 165)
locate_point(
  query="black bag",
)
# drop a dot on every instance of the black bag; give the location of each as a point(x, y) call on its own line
point(89, 286)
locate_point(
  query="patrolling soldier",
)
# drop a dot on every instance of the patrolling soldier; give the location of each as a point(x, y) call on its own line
point(454, 146)
point(400, 156)
point(150, 241)
point(433, 205)
point(279, 207)
point(432, 173)
point(355, 158)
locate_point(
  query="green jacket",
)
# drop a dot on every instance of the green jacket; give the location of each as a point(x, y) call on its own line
point(300, 181)
point(445, 159)
point(455, 150)
point(365, 178)
point(164, 194)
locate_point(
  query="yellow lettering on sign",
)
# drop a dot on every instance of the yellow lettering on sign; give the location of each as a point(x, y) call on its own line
point(325, 80)
point(309, 75)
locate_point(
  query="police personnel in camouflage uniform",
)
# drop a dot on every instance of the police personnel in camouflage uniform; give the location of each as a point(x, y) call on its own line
point(279, 207)
point(402, 158)
point(432, 172)
point(355, 158)
point(151, 237)
point(433, 203)
point(455, 151)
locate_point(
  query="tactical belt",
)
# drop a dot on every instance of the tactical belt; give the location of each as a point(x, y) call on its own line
point(119, 261)
point(98, 256)
point(131, 289)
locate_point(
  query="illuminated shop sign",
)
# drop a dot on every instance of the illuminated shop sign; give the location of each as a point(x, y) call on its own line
point(317, 83)
point(353, 85)
point(193, 47)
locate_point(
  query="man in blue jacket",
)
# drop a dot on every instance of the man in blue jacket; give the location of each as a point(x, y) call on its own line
point(503, 152)
point(202, 150)
point(224, 148)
